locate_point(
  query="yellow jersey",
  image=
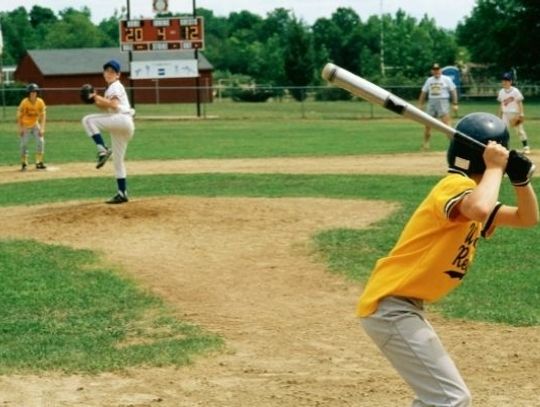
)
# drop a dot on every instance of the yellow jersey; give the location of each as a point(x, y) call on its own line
point(30, 112)
point(433, 253)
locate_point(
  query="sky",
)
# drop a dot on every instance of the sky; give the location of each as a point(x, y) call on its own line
point(447, 13)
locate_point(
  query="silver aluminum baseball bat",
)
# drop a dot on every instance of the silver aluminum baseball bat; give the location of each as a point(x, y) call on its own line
point(375, 94)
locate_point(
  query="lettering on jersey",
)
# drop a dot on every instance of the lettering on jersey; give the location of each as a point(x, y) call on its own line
point(455, 274)
point(508, 100)
point(462, 259)
point(435, 88)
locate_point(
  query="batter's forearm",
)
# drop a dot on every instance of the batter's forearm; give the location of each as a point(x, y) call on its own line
point(527, 206)
point(481, 201)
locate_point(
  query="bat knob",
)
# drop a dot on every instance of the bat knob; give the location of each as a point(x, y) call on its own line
point(329, 72)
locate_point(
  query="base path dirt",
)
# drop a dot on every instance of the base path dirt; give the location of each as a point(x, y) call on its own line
point(244, 268)
point(411, 164)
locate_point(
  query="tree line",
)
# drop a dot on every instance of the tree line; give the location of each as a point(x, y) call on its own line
point(280, 49)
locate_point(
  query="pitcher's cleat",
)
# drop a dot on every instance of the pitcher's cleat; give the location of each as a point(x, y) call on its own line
point(24, 167)
point(40, 166)
point(526, 150)
point(118, 199)
point(102, 158)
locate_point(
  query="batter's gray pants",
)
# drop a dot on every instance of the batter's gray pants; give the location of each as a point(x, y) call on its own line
point(408, 341)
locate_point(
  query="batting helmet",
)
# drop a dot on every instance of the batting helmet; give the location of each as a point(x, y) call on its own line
point(32, 87)
point(482, 127)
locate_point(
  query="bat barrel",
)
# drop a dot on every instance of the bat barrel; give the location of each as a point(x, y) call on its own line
point(356, 85)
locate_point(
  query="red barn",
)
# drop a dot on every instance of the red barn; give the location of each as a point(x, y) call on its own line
point(61, 72)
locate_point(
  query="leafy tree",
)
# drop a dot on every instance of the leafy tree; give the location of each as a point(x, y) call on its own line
point(110, 28)
point(503, 34)
point(244, 25)
point(338, 39)
point(18, 35)
point(75, 30)
point(298, 59)
point(41, 16)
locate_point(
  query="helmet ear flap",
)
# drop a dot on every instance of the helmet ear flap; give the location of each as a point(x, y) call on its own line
point(462, 157)
point(482, 127)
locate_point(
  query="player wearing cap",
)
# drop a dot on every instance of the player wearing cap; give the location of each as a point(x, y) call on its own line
point(31, 118)
point(439, 89)
point(434, 253)
point(118, 121)
point(511, 109)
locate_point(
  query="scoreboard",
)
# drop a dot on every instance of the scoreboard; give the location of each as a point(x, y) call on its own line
point(162, 34)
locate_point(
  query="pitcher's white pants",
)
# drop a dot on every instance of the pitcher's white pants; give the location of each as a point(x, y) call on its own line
point(121, 128)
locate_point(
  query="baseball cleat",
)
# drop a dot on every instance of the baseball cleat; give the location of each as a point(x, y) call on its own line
point(102, 158)
point(526, 150)
point(24, 166)
point(118, 199)
point(40, 166)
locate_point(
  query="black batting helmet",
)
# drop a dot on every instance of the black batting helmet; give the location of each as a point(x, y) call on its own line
point(482, 127)
point(32, 87)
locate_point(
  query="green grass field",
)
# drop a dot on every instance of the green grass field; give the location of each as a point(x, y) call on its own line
point(55, 296)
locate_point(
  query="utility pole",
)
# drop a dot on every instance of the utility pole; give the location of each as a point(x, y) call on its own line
point(382, 39)
point(197, 79)
point(130, 58)
point(2, 73)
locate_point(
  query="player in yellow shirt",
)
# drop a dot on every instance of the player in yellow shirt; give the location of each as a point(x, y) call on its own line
point(434, 253)
point(31, 119)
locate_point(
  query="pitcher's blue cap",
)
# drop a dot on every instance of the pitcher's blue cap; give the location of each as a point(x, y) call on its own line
point(114, 64)
point(507, 76)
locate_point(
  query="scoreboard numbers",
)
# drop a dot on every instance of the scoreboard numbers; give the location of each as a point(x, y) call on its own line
point(162, 34)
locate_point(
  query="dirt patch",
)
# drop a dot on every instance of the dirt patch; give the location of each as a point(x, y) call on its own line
point(244, 268)
point(407, 164)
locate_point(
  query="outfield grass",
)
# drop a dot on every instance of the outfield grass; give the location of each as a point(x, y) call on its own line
point(273, 110)
point(501, 287)
point(257, 137)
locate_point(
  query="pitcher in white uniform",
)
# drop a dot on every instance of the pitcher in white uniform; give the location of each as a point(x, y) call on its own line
point(511, 109)
point(118, 121)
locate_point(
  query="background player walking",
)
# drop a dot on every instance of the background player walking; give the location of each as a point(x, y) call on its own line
point(31, 119)
point(433, 255)
point(438, 88)
point(118, 121)
point(511, 109)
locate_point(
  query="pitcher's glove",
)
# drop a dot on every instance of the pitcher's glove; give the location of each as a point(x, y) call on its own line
point(87, 93)
point(519, 169)
point(516, 121)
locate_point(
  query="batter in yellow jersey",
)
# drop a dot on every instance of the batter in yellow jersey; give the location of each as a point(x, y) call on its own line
point(31, 119)
point(434, 254)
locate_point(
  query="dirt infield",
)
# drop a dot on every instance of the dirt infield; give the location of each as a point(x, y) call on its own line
point(244, 268)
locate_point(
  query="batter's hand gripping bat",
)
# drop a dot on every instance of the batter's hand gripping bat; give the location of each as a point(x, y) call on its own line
point(372, 93)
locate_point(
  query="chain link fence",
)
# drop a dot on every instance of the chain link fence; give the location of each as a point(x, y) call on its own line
point(245, 102)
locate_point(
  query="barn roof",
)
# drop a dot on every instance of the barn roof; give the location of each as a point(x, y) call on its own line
point(80, 61)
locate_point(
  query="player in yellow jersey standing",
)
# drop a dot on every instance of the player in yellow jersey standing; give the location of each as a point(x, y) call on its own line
point(434, 253)
point(31, 119)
